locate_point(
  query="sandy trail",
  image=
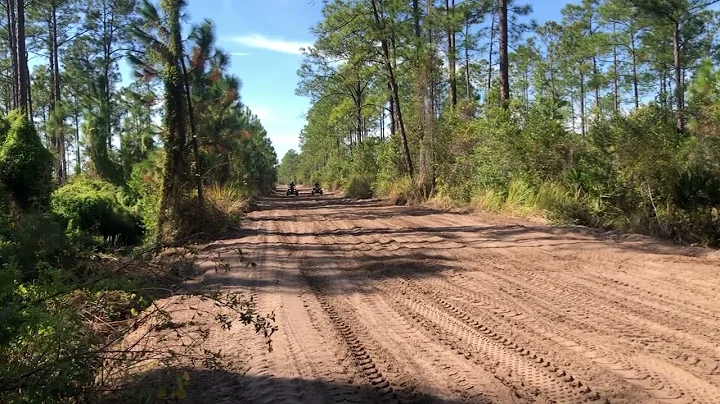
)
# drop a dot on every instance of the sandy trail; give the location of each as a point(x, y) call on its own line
point(379, 303)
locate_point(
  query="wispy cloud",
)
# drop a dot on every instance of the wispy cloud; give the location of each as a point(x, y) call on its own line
point(262, 113)
point(239, 54)
point(277, 45)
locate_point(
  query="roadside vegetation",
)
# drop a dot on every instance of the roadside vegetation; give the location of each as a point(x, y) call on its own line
point(606, 118)
point(103, 189)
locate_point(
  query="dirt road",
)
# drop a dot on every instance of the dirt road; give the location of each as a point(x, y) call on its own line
point(379, 303)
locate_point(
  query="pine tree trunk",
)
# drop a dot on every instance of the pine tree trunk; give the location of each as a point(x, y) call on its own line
point(52, 112)
point(382, 123)
point(679, 102)
point(504, 65)
point(175, 169)
point(77, 133)
point(51, 60)
point(197, 173)
point(582, 103)
point(394, 89)
point(616, 104)
point(392, 111)
point(428, 137)
point(451, 53)
point(58, 126)
point(29, 89)
point(490, 52)
point(468, 86)
point(572, 111)
point(12, 36)
point(597, 88)
point(22, 59)
point(636, 93)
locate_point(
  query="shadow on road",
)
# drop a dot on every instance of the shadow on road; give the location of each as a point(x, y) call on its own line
point(364, 255)
point(334, 208)
point(226, 386)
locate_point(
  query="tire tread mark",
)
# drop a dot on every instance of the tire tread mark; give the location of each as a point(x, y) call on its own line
point(635, 373)
point(364, 362)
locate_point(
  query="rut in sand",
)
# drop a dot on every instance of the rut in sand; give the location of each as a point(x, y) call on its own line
point(379, 303)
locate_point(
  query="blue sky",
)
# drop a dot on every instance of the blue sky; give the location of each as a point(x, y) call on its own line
point(264, 37)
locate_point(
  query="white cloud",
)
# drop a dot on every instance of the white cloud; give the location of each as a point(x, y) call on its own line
point(277, 45)
point(284, 141)
point(263, 114)
point(239, 54)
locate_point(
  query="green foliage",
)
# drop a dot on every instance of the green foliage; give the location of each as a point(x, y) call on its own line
point(563, 148)
point(25, 164)
point(144, 186)
point(288, 169)
point(4, 129)
point(96, 128)
point(32, 238)
point(93, 206)
point(358, 188)
point(45, 348)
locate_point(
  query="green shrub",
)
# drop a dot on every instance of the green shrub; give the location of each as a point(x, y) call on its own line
point(358, 188)
point(398, 191)
point(88, 205)
point(145, 185)
point(38, 237)
point(45, 350)
point(25, 164)
point(4, 129)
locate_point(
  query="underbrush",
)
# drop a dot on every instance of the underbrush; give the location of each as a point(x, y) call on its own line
point(358, 188)
point(398, 191)
point(225, 204)
point(86, 207)
point(78, 334)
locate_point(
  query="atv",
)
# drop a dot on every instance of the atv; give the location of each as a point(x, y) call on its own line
point(316, 190)
point(292, 191)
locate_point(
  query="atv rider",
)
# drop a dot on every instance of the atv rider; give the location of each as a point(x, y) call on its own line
point(292, 184)
point(316, 185)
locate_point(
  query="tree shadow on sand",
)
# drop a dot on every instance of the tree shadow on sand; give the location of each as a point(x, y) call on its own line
point(220, 386)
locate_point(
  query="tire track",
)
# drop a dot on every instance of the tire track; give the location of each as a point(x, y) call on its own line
point(564, 395)
point(397, 379)
point(634, 326)
point(462, 377)
point(304, 356)
point(497, 353)
point(657, 384)
point(631, 372)
point(406, 306)
point(465, 380)
point(351, 335)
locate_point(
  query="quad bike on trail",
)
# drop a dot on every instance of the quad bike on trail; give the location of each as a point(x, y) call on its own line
point(292, 190)
point(316, 190)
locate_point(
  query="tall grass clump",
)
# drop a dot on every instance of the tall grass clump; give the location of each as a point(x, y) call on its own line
point(226, 206)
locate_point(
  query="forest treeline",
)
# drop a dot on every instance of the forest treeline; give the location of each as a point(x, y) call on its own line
point(607, 117)
point(96, 177)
